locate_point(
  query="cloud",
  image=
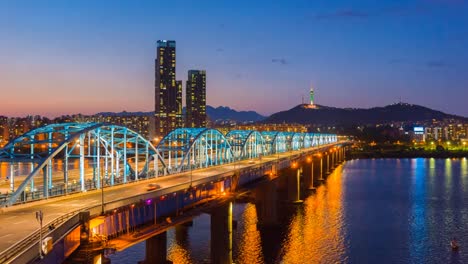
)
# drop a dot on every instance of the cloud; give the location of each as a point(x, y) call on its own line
point(446, 2)
point(361, 14)
point(281, 61)
point(397, 61)
point(436, 64)
point(344, 14)
point(219, 50)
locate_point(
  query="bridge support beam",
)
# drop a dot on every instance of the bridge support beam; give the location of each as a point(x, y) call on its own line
point(333, 164)
point(181, 234)
point(320, 163)
point(221, 234)
point(308, 174)
point(266, 197)
point(294, 185)
point(156, 249)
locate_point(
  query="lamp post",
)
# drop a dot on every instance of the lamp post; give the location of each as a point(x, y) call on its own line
point(102, 194)
point(39, 217)
point(190, 162)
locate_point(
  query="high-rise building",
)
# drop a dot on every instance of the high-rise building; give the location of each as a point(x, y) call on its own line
point(196, 99)
point(168, 91)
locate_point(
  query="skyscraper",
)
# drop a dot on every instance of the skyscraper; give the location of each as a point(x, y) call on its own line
point(168, 91)
point(196, 99)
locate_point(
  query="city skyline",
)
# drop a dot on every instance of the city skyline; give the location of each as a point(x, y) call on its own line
point(104, 55)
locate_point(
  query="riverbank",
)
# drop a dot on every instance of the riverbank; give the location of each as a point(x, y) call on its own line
point(415, 153)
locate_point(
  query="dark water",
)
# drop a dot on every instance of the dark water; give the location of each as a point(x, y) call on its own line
point(369, 211)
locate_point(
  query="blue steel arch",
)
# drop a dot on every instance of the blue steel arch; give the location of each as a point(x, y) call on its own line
point(275, 142)
point(294, 140)
point(307, 143)
point(246, 144)
point(192, 148)
point(119, 145)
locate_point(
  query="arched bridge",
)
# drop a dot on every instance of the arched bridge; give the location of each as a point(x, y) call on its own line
point(65, 158)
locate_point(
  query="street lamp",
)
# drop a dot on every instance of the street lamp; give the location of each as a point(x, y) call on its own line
point(102, 194)
point(190, 161)
point(39, 217)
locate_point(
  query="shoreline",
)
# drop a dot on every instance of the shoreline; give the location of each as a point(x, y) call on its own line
point(405, 154)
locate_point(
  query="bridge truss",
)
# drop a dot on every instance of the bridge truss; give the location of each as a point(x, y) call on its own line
point(41, 161)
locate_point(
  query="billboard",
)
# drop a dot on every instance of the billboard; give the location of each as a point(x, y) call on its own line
point(418, 130)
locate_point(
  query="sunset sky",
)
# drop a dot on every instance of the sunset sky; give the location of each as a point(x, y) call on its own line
point(83, 56)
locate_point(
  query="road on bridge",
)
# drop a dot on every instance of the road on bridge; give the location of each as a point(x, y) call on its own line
point(18, 222)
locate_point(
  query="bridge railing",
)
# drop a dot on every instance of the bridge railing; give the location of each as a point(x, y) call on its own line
point(20, 248)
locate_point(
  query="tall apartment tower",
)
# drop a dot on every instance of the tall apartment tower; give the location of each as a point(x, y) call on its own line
point(196, 99)
point(168, 91)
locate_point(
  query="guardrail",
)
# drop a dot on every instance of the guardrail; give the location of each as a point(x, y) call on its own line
point(14, 250)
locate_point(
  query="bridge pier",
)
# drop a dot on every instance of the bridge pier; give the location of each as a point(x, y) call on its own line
point(294, 185)
point(181, 234)
point(333, 162)
point(156, 249)
point(320, 170)
point(308, 174)
point(221, 234)
point(266, 197)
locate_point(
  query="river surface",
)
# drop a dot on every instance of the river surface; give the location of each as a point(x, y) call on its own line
point(368, 211)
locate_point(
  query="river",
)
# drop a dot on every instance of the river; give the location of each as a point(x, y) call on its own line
point(368, 211)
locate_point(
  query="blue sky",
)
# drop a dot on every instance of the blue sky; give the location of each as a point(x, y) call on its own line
point(60, 57)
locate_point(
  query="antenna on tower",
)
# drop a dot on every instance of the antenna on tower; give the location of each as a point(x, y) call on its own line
point(302, 99)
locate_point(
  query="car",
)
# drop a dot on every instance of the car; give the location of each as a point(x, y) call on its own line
point(251, 161)
point(152, 187)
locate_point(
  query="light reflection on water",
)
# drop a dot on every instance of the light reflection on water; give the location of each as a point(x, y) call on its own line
point(250, 244)
point(316, 232)
point(369, 211)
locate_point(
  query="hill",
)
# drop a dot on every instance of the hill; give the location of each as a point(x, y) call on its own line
point(221, 113)
point(400, 112)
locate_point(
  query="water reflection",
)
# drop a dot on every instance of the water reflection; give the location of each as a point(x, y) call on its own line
point(250, 246)
point(369, 211)
point(178, 254)
point(316, 232)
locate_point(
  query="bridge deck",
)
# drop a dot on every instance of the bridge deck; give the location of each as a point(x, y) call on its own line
point(17, 222)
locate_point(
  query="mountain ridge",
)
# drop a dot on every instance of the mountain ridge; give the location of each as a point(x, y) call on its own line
point(219, 113)
point(400, 112)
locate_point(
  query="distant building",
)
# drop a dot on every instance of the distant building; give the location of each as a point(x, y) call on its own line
point(168, 91)
point(299, 128)
point(312, 96)
point(196, 99)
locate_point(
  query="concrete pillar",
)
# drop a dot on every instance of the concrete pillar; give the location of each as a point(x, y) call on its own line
point(156, 249)
point(221, 234)
point(333, 155)
point(84, 229)
point(181, 234)
point(266, 197)
point(328, 164)
point(320, 162)
point(308, 174)
point(294, 185)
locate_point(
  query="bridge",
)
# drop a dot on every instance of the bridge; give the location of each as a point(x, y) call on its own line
point(70, 168)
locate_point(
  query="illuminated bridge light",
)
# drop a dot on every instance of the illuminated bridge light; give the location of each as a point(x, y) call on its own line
point(130, 157)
